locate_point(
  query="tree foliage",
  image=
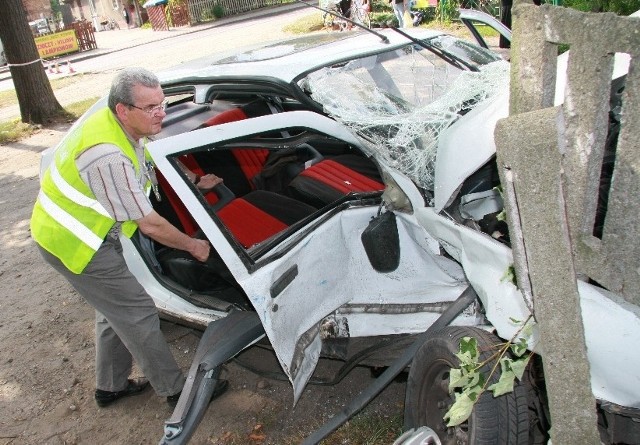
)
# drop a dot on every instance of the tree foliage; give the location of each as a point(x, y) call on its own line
point(35, 95)
point(620, 7)
point(55, 9)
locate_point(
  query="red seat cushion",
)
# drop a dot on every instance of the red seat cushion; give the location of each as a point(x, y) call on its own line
point(249, 224)
point(190, 162)
point(341, 178)
point(188, 223)
point(250, 161)
point(231, 115)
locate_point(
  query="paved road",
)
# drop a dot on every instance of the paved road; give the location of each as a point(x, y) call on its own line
point(160, 50)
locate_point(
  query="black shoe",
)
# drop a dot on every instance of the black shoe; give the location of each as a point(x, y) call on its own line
point(135, 387)
point(221, 387)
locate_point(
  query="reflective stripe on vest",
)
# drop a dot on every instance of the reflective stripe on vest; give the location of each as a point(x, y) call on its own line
point(73, 194)
point(69, 222)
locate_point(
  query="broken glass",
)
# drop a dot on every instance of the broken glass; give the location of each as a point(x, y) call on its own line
point(400, 101)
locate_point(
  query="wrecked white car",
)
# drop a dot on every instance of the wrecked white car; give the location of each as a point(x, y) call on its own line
point(358, 217)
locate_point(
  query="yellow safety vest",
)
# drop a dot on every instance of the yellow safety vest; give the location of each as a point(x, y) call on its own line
point(67, 220)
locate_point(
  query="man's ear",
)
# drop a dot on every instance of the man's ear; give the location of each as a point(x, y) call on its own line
point(121, 110)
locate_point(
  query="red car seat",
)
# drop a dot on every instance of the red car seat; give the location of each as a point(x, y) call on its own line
point(331, 179)
point(251, 219)
point(249, 160)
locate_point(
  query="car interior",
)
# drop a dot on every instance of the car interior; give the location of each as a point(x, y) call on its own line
point(273, 184)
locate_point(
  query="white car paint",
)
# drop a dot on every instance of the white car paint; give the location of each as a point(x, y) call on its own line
point(336, 243)
point(332, 271)
point(291, 319)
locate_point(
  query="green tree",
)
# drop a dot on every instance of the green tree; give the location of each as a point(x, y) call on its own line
point(35, 95)
point(620, 7)
point(55, 9)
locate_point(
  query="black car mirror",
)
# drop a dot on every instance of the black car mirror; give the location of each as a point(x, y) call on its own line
point(382, 243)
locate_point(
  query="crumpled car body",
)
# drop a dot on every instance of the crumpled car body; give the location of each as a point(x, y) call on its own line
point(349, 128)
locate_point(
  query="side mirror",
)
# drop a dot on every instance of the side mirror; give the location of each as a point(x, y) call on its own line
point(382, 243)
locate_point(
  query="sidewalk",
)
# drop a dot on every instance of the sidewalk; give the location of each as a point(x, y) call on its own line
point(120, 39)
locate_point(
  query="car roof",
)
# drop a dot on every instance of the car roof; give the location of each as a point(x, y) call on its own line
point(288, 59)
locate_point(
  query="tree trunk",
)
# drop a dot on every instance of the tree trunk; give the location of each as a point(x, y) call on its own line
point(35, 95)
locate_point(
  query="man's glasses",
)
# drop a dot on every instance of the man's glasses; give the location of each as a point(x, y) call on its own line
point(152, 109)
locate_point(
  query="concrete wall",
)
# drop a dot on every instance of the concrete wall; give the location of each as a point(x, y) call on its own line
point(551, 160)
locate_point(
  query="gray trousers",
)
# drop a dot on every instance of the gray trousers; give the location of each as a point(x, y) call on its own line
point(127, 322)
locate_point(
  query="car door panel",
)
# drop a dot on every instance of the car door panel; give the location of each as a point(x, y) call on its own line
point(317, 273)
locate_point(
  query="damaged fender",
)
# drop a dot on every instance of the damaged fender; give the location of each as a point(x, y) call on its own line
point(222, 340)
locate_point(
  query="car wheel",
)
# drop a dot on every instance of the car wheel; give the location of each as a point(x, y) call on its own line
point(502, 420)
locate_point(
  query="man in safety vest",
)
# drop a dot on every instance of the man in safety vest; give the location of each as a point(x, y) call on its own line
point(95, 189)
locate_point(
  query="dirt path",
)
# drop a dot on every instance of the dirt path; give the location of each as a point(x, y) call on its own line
point(47, 360)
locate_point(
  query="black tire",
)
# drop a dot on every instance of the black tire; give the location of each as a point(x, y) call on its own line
point(500, 421)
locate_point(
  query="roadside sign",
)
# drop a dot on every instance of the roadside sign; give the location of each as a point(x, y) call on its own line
point(56, 44)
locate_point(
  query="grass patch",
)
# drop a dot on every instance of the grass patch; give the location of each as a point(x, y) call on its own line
point(459, 30)
point(305, 24)
point(9, 97)
point(487, 31)
point(77, 109)
point(16, 130)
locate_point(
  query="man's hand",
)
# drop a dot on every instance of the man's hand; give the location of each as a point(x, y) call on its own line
point(209, 181)
point(156, 227)
point(200, 250)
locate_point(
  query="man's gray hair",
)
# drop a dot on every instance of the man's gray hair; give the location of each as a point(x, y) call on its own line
point(123, 84)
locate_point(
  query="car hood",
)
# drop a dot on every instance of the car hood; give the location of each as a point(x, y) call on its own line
point(289, 59)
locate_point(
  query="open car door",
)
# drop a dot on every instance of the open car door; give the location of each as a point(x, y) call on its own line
point(310, 278)
point(472, 18)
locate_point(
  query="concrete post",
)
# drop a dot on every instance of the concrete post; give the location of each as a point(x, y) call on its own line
point(550, 162)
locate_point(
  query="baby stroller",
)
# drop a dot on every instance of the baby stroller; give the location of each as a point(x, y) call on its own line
point(356, 10)
point(416, 17)
point(334, 6)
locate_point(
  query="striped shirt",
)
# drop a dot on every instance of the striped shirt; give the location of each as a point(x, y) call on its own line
point(112, 178)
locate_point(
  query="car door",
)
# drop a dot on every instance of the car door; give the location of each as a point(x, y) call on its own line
point(318, 270)
point(472, 18)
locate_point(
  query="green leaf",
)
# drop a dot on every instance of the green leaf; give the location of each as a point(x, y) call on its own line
point(462, 378)
point(474, 393)
point(504, 384)
point(460, 410)
point(457, 379)
point(475, 379)
point(469, 345)
point(519, 347)
point(527, 331)
point(518, 366)
point(509, 275)
point(466, 360)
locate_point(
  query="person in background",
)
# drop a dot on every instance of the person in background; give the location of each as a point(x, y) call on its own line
point(94, 191)
point(132, 15)
point(398, 10)
point(505, 19)
point(127, 19)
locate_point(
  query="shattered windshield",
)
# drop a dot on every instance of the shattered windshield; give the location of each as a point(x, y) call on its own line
point(401, 100)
